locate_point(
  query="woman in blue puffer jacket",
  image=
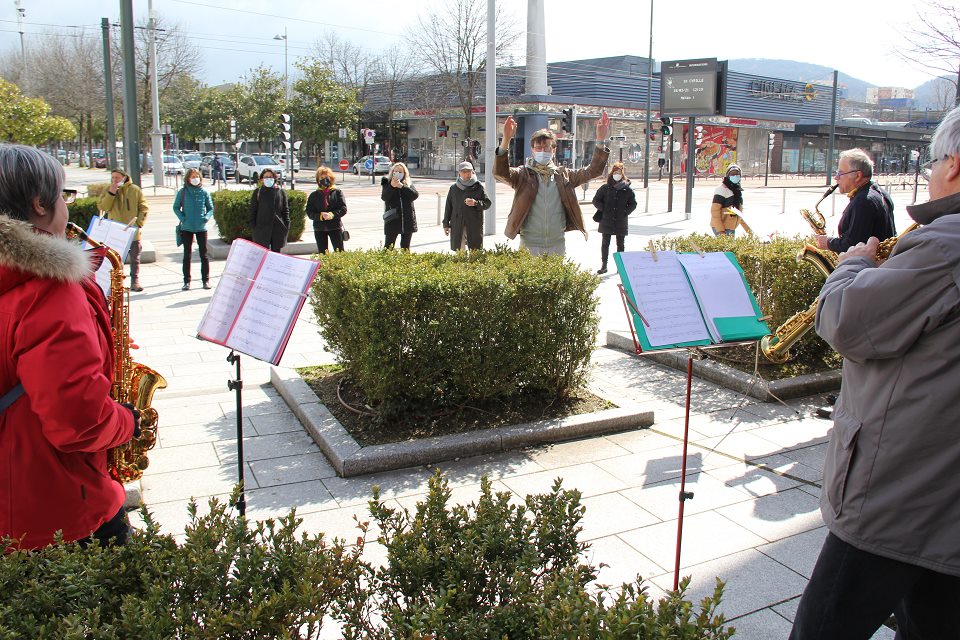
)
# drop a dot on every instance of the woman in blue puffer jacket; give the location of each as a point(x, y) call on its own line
point(194, 207)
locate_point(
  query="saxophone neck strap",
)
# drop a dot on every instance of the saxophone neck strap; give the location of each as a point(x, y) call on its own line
point(10, 397)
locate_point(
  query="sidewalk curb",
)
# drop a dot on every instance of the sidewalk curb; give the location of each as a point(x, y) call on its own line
point(734, 379)
point(350, 459)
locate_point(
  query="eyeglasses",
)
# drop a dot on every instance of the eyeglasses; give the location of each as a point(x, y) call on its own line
point(838, 174)
point(926, 169)
point(69, 195)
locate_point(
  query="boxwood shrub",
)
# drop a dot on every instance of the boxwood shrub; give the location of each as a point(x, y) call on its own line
point(82, 210)
point(231, 211)
point(96, 189)
point(432, 329)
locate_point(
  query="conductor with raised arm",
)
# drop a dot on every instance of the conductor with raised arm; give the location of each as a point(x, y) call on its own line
point(545, 204)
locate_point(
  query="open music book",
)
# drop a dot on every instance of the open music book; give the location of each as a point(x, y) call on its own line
point(116, 235)
point(688, 299)
point(257, 301)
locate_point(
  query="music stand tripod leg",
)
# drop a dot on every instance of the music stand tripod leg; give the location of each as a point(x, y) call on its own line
point(237, 385)
point(684, 494)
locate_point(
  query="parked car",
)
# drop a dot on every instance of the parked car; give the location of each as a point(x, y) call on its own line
point(229, 166)
point(191, 160)
point(282, 160)
point(251, 167)
point(172, 166)
point(382, 164)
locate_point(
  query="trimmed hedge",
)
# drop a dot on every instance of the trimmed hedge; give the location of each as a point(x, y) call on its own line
point(82, 210)
point(495, 568)
point(96, 189)
point(231, 211)
point(440, 330)
point(783, 286)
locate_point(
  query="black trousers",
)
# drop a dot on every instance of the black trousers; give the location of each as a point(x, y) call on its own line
point(605, 246)
point(186, 237)
point(852, 593)
point(112, 532)
point(390, 238)
point(335, 236)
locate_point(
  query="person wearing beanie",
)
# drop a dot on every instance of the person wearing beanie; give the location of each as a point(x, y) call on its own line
point(726, 211)
point(123, 201)
point(463, 214)
point(614, 201)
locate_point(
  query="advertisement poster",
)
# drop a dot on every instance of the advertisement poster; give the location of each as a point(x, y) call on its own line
point(716, 152)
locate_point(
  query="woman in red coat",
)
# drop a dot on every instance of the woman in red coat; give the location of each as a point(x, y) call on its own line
point(56, 362)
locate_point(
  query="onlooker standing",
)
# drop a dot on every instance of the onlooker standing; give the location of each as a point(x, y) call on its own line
point(194, 207)
point(326, 207)
point(56, 368)
point(463, 214)
point(219, 172)
point(269, 213)
point(891, 495)
point(545, 205)
point(398, 193)
point(726, 210)
point(123, 201)
point(614, 201)
point(870, 211)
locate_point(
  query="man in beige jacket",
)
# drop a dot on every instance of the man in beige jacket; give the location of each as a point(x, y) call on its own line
point(124, 202)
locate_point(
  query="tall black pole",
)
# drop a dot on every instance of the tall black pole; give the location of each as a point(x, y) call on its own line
point(670, 172)
point(833, 128)
point(646, 144)
point(131, 128)
point(108, 94)
point(691, 169)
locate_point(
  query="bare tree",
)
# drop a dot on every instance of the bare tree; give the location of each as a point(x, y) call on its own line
point(451, 41)
point(353, 66)
point(944, 93)
point(935, 40)
point(393, 74)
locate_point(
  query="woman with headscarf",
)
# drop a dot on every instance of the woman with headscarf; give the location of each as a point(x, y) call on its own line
point(726, 211)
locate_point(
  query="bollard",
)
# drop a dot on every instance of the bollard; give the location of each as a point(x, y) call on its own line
point(783, 203)
point(439, 212)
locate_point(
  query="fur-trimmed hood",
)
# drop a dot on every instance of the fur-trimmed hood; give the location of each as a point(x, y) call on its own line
point(26, 253)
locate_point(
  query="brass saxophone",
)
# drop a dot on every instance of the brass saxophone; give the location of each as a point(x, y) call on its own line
point(776, 346)
point(132, 382)
point(814, 218)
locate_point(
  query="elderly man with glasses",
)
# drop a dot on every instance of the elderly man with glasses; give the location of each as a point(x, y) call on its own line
point(870, 210)
point(891, 492)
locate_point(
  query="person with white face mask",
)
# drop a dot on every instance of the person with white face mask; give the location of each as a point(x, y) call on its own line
point(463, 213)
point(399, 215)
point(269, 213)
point(193, 207)
point(545, 205)
point(726, 211)
point(614, 201)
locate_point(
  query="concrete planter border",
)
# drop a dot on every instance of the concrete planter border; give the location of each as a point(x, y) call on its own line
point(734, 379)
point(217, 249)
point(349, 459)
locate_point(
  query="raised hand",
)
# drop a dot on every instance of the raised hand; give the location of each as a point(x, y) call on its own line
point(603, 126)
point(509, 129)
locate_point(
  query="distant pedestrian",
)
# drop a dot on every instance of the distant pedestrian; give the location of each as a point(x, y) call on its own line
point(400, 215)
point(193, 207)
point(463, 214)
point(326, 207)
point(726, 210)
point(219, 172)
point(614, 201)
point(269, 213)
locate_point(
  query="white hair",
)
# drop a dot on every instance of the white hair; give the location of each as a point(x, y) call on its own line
point(946, 140)
point(27, 173)
point(858, 161)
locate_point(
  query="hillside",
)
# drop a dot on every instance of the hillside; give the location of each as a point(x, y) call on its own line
point(793, 70)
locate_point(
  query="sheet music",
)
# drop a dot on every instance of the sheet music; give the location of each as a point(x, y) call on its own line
point(719, 287)
point(115, 235)
point(662, 294)
point(257, 300)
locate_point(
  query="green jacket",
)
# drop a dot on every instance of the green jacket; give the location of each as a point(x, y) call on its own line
point(128, 205)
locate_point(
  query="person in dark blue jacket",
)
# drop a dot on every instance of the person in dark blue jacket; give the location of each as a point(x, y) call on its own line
point(194, 207)
point(870, 211)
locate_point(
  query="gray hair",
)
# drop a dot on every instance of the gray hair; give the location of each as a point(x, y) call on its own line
point(946, 140)
point(25, 174)
point(859, 161)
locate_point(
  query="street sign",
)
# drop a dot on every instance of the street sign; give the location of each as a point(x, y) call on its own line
point(343, 133)
point(368, 164)
point(368, 135)
point(455, 134)
point(618, 138)
point(344, 165)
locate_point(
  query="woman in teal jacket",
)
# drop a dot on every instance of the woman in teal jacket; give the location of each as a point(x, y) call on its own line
point(194, 207)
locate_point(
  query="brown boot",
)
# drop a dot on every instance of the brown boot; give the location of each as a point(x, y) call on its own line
point(135, 286)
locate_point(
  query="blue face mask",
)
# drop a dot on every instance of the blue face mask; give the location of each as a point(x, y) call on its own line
point(542, 157)
point(735, 179)
point(268, 182)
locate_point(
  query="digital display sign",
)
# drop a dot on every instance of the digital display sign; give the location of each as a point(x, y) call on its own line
point(689, 87)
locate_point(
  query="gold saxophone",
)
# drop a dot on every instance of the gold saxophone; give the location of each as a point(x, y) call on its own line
point(814, 218)
point(776, 346)
point(132, 382)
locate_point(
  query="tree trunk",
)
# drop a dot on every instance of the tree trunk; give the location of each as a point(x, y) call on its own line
point(80, 121)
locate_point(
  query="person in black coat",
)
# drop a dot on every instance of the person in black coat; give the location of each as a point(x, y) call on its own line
point(398, 194)
point(870, 211)
point(269, 213)
point(326, 207)
point(463, 214)
point(614, 201)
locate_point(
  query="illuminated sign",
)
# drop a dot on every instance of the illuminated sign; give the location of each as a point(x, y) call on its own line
point(689, 87)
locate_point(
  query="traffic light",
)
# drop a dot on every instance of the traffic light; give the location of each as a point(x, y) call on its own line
point(667, 129)
point(284, 127)
point(566, 123)
point(772, 140)
point(233, 129)
point(698, 136)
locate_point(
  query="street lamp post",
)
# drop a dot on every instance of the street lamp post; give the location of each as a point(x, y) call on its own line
point(286, 82)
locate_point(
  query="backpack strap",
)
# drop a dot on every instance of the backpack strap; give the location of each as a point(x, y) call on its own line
point(10, 397)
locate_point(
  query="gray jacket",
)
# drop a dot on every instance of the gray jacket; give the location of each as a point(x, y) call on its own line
point(892, 471)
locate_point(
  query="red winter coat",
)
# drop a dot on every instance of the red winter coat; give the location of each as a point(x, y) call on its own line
point(55, 339)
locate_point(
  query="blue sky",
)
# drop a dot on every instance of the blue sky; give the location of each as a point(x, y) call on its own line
point(234, 36)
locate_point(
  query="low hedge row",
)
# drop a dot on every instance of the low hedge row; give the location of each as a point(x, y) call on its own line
point(82, 210)
point(493, 569)
point(443, 330)
point(231, 211)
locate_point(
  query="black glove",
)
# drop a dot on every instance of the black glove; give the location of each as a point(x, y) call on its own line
point(136, 418)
